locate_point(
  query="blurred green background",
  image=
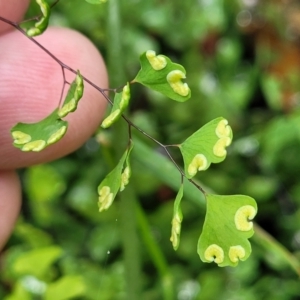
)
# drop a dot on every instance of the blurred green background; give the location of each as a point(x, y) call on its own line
point(242, 60)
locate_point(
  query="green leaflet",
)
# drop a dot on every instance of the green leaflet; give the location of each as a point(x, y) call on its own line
point(226, 230)
point(206, 146)
point(159, 73)
point(176, 220)
point(36, 262)
point(37, 136)
point(125, 176)
point(41, 25)
point(74, 94)
point(66, 287)
point(114, 181)
point(121, 102)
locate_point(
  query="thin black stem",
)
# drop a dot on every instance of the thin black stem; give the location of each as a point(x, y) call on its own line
point(36, 18)
point(142, 131)
point(63, 87)
point(129, 132)
point(113, 90)
point(62, 64)
point(54, 3)
point(104, 95)
point(167, 152)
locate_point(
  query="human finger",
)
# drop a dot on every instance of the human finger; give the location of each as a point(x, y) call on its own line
point(12, 10)
point(30, 87)
point(10, 202)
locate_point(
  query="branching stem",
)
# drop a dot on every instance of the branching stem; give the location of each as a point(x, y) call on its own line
point(102, 91)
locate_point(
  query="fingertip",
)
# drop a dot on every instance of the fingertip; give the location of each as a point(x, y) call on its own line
point(13, 10)
point(31, 86)
point(10, 203)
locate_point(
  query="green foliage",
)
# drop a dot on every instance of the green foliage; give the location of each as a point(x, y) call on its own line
point(19, 292)
point(37, 261)
point(227, 227)
point(96, 1)
point(229, 76)
point(116, 180)
point(67, 287)
point(176, 220)
point(41, 25)
point(205, 146)
point(120, 103)
point(159, 73)
point(44, 183)
point(37, 136)
point(74, 94)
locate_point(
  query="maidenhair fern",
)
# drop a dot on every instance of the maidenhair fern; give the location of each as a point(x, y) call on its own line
point(228, 221)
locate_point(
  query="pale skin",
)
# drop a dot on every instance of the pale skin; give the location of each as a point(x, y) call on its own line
point(30, 88)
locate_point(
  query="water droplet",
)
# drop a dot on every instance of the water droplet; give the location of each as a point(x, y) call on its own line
point(108, 252)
